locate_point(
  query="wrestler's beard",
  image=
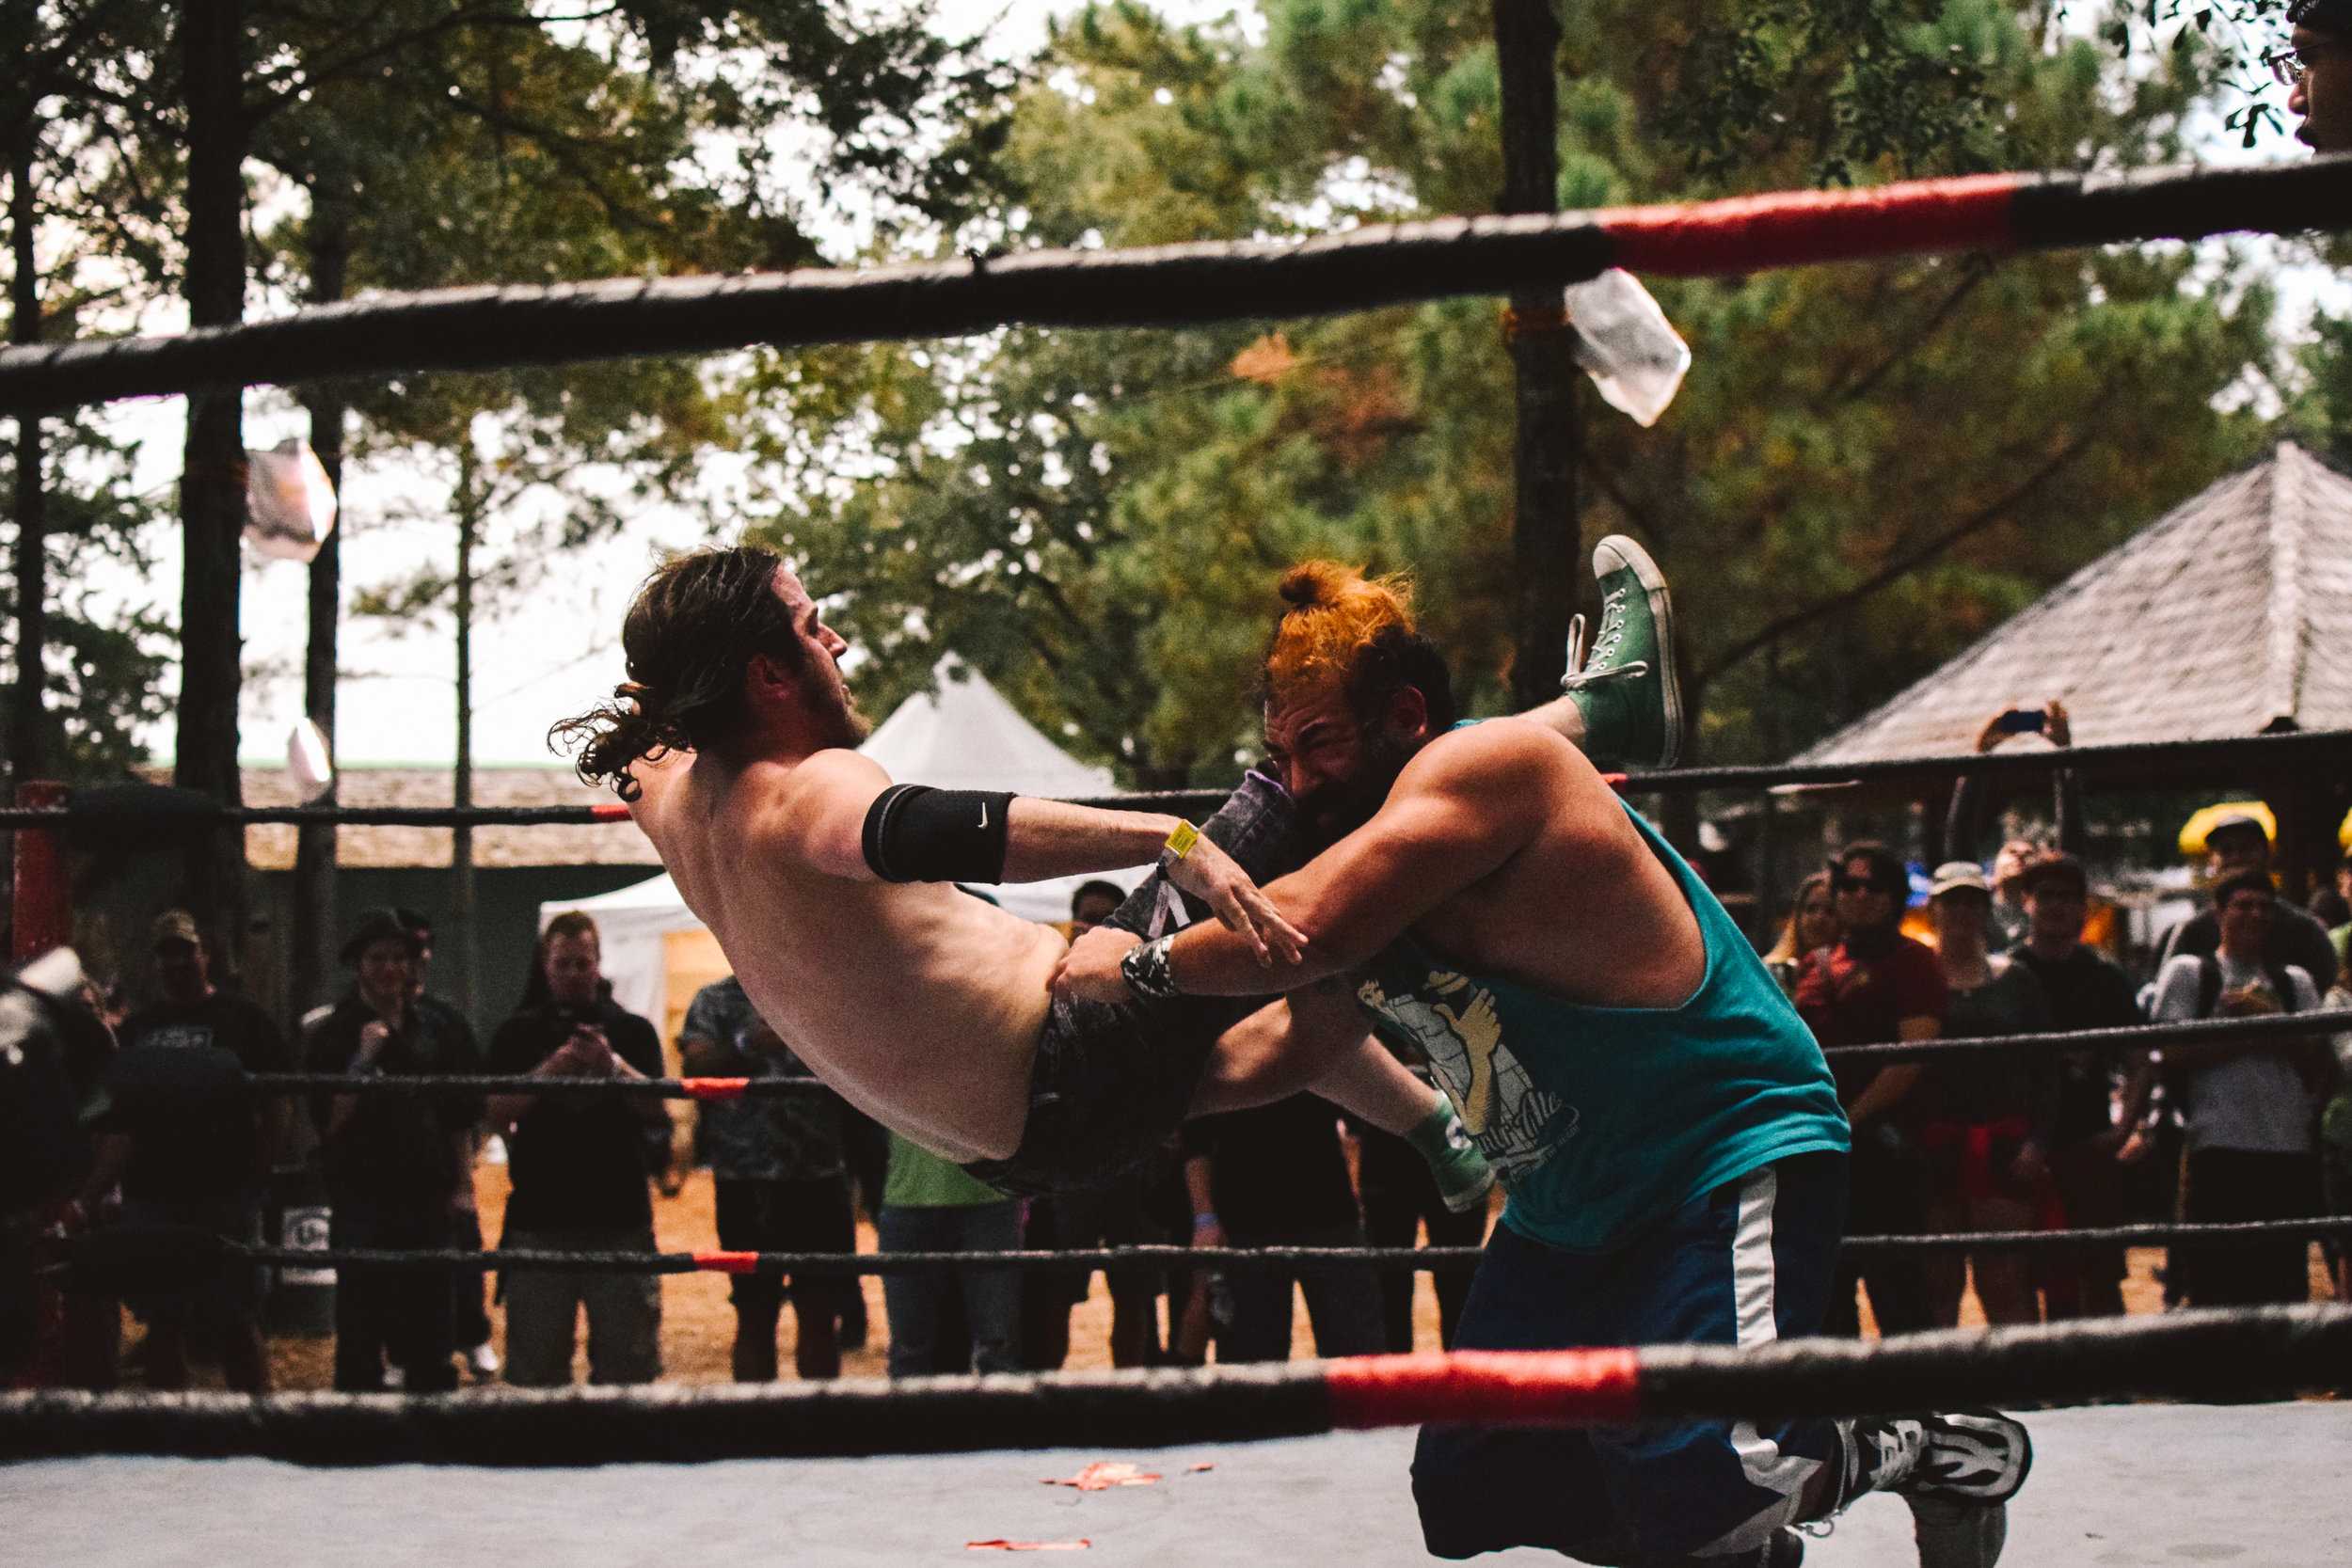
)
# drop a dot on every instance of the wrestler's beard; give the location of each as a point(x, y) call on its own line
point(834, 715)
point(1337, 810)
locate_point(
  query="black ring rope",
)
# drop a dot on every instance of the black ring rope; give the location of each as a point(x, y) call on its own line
point(2263, 1351)
point(2133, 760)
point(2139, 1035)
point(493, 326)
point(181, 1247)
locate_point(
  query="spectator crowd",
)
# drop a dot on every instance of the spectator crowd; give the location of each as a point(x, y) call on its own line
point(177, 1150)
point(2082, 1135)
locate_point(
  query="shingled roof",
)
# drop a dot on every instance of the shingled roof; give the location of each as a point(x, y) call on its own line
point(2229, 616)
point(272, 848)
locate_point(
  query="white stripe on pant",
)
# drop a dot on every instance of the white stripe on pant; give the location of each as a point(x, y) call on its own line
point(1753, 1287)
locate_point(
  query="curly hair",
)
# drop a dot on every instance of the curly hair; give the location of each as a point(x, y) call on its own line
point(692, 630)
point(1359, 630)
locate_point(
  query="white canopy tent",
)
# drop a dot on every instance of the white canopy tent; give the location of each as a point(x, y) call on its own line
point(964, 736)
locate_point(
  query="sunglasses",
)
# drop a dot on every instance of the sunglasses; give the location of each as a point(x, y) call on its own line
point(1862, 884)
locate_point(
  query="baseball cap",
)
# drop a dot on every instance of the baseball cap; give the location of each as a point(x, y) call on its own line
point(375, 926)
point(1952, 876)
point(175, 926)
point(2237, 821)
point(2057, 865)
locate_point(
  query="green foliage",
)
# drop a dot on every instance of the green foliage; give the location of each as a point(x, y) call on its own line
point(510, 156)
point(2324, 415)
point(2241, 36)
point(1868, 466)
point(85, 230)
point(462, 141)
point(105, 661)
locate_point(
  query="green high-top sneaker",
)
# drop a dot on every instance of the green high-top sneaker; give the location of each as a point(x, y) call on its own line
point(1626, 690)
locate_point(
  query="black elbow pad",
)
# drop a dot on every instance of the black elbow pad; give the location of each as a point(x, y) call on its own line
point(915, 833)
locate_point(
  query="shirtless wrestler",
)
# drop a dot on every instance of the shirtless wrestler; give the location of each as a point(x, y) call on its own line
point(829, 889)
point(1666, 1126)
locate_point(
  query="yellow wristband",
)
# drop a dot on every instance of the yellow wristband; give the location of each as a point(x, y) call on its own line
point(1180, 842)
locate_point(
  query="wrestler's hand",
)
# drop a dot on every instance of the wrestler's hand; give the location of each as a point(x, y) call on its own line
point(1090, 971)
point(1209, 873)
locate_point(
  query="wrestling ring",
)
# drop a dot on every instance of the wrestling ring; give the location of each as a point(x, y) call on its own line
point(1300, 1462)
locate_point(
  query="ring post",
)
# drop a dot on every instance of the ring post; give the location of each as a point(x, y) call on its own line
point(42, 915)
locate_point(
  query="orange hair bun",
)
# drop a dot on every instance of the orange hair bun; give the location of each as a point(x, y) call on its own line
point(1336, 611)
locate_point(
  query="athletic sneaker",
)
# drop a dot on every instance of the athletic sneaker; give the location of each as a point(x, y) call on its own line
point(483, 1362)
point(1956, 1471)
point(1626, 690)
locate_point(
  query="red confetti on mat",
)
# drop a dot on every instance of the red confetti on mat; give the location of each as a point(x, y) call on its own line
point(1195, 1469)
point(1078, 1546)
point(1105, 1474)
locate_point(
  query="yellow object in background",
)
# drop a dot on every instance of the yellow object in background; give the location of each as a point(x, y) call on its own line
point(2193, 831)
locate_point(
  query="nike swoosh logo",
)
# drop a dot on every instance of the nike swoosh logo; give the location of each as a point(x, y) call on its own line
point(983, 814)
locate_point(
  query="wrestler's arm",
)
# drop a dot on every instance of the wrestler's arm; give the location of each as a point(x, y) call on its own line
point(1466, 804)
point(817, 815)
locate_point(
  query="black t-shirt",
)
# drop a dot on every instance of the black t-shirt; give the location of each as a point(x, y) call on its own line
point(179, 1091)
point(2086, 992)
point(578, 1157)
point(1277, 1170)
point(398, 1150)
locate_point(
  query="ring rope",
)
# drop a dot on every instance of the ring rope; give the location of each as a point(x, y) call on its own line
point(186, 1246)
point(490, 327)
point(2131, 761)
point(2154, 1037)
point(2261, 1352)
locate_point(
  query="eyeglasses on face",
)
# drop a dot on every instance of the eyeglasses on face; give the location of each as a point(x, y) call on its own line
point(2286, 66)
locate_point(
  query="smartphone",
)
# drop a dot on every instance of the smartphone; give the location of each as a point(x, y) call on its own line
point(2022, 721)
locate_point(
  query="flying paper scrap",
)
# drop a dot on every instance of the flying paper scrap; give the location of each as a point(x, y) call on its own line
point(1626, 345)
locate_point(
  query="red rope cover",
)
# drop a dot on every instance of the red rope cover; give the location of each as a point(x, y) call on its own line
point(713, 1261)
point(713, 1088)
point(1786, 229)
point(1493, 1387)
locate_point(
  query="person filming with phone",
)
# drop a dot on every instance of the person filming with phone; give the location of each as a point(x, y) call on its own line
point(1976, 798)
point(579, 1163)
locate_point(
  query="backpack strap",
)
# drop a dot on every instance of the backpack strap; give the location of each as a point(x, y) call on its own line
point(2280, 984)
point(2208, 984)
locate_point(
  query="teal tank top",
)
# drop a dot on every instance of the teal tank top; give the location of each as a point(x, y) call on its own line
point(1600, 1120)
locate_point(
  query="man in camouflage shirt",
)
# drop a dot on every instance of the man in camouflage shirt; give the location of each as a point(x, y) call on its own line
point(781, 1179)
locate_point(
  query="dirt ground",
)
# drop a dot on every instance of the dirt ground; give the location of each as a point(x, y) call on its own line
point(698, 1327)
